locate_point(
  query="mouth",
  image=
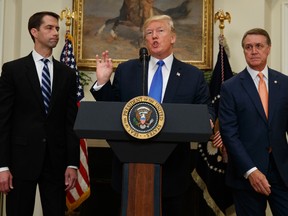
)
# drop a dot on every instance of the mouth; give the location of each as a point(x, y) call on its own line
point(54, 40)
point(255, 59)
point(155, 44)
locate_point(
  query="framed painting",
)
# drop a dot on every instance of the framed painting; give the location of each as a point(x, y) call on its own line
point(112, 25)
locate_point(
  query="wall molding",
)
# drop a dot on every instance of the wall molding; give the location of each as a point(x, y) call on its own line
point(1, 36)
point(284, 59)
point(1, 62)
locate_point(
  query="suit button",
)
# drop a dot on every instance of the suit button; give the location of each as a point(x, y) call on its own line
point(44, 140)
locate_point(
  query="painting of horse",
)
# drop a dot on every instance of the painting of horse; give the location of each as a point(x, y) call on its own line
point(117, 26)
point(135, 12)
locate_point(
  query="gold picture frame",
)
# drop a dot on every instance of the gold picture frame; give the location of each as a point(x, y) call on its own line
point(193, 25)
point(1, 204)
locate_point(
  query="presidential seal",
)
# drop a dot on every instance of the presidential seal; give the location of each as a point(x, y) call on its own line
point(143, 117)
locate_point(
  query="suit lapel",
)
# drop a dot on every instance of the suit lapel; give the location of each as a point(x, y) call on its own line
point(173, 81)
point(34, 80)
point(249, 86)
point(142, 84)
point(56, 83)
point(274, 90)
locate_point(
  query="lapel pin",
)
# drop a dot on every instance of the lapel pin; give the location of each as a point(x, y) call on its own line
point(178, 74)
point(275, 81)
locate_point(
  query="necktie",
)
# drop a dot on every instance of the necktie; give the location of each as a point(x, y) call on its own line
point(262, 89)
point(157, 83)
point(46, 85)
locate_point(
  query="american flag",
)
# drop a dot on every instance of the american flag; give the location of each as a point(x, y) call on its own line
point(81, 192)
point(211, 166)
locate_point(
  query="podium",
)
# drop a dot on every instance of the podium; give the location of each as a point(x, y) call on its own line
point(142, 159)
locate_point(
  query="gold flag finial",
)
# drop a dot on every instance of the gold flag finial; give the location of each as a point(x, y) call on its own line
point(68, 15)
point(221, 16)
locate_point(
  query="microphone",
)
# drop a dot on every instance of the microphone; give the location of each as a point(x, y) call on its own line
point(143, 56)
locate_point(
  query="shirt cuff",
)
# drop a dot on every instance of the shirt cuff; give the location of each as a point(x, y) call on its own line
point(3, 169)
point(97, 87)
point(249, 172)
point(73, 167)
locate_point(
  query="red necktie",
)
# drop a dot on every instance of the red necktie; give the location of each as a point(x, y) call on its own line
point(262, 89)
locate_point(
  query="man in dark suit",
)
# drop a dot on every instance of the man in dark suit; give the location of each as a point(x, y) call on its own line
point(255, 133)
point(38, 145)
point(182, 83)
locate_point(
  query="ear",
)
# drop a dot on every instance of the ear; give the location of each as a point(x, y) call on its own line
point(34, 32)
point(173, 38)
point(269, 49)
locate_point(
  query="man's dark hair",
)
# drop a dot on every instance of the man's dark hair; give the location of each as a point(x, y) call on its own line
point(36, 20)
point(257, 31)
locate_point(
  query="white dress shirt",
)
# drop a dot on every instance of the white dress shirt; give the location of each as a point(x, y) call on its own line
point(255, 78)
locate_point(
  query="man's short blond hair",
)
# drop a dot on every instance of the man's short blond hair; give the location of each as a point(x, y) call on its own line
point(159, 18)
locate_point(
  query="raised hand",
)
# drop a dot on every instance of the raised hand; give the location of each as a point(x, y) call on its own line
point(104, 68)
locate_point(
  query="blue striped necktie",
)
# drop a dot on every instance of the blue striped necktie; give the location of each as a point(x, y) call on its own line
point(157, 83)
point(46, 85)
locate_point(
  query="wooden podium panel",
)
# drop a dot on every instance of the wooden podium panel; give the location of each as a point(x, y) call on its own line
point(144, 179)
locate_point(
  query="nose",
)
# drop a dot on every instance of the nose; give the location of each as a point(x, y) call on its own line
point(56, 31)
point(254, 49)
point(154, 34)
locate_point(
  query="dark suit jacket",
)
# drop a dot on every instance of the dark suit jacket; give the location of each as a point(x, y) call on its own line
point(247, 133)
point(27, 134)
point(187, 85)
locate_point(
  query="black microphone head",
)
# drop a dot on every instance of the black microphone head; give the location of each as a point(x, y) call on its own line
point(143, 53)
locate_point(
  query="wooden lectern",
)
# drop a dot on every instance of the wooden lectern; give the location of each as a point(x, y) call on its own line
point(142, 159)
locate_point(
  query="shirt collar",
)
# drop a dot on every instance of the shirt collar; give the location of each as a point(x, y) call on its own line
point(37, 57)
point(168, 61)
point(254, 73)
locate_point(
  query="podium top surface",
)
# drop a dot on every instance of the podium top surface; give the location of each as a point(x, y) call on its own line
point(183, 122)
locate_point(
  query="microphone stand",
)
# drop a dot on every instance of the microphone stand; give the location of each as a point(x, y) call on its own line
point(143, 55)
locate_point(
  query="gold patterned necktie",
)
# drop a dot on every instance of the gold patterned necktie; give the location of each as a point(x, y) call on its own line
point(262, 89)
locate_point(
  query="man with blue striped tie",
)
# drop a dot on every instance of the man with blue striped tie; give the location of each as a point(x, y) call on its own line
point(38, 145)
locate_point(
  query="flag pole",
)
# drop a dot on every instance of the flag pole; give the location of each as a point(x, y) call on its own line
point(68, 15)
point(221, 16)
point(213, 166)
point(77, 195)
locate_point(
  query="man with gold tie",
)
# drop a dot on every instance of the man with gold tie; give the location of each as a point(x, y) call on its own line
point(253, 116)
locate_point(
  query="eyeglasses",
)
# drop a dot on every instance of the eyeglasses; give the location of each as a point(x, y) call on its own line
point(257, 46)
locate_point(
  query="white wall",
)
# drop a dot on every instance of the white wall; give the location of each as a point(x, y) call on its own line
point(284, 34)
point(250, 14)
point(17, 41)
